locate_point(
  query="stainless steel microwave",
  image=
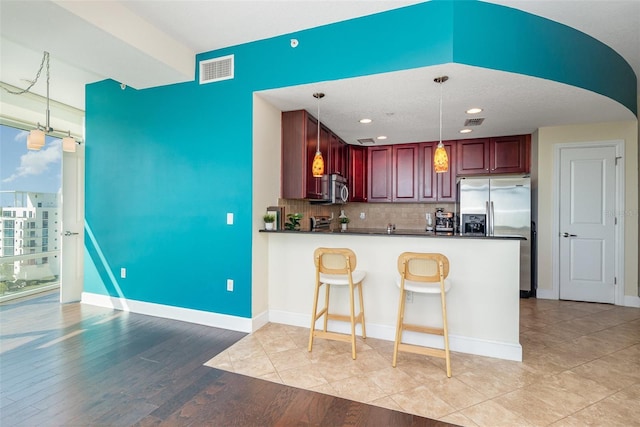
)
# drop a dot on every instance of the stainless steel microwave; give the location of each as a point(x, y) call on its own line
point(334, 190)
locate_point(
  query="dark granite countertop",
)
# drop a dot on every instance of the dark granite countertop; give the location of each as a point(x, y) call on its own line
point(399, 232)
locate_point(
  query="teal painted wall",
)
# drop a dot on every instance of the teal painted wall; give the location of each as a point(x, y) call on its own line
point(165, 165)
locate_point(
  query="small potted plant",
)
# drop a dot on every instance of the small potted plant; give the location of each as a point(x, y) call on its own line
point(344, 220)
point(293, 221)
point(269, 220)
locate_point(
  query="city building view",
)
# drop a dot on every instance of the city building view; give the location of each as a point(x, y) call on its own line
point(30, 215)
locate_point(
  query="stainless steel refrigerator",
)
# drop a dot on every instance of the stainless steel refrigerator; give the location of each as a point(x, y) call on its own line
point(499, 206)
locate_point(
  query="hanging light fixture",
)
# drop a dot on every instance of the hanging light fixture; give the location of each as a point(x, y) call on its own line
point(317, 167)
point(36, 138)
point(440, 157)
point(69, 143)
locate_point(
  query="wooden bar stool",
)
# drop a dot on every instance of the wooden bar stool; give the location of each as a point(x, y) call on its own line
point(423, 273)
point(337, 267)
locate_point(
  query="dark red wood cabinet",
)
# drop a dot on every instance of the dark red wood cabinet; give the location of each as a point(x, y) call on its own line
point(379, 165)
point(357, 178)
point(505, 154)
point(437, 187)
point(337, 155)
point(510, 154)
point(299, 141)
point(405, 172)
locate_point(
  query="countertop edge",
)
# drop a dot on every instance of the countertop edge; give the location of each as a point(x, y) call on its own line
point(423, 234)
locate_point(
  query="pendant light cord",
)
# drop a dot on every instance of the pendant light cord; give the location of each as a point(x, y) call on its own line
point(318, 147)
point(441, 113)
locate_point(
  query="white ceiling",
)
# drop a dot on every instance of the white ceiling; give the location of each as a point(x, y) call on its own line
point(154, 42)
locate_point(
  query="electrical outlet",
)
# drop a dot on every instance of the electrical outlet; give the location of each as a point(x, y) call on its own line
point(363, 215)
point(230, 285)
point(123, 273)
point(409, 296)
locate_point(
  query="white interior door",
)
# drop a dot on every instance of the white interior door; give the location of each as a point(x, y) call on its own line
point(587, 223)
point(71, 252)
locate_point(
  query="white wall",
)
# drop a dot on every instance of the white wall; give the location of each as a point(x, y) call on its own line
point(544, 173)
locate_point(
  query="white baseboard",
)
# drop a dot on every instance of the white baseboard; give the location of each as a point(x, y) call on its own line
point(631, 301)
point(215, 320)
point(499, 350)
point(546, 294)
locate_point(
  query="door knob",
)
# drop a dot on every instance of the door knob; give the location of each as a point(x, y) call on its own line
point(569, 235)
point(69, 233)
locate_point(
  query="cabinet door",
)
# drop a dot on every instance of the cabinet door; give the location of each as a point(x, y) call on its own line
point(427, 177)
point(379, 172)
point(337, 154)
point(357, 174)
point(509, 154)
point(473, 156)
point(314, 185)
point(294, 154)
point(447, 190)
point(405, 173)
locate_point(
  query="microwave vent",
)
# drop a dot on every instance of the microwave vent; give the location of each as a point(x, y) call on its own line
point(366, 141)
point(216, 69)
point(473, 122)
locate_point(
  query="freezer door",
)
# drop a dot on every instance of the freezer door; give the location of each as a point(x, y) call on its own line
point(474, 198)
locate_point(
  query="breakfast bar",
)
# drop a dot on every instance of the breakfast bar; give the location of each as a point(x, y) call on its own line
point(482, 305)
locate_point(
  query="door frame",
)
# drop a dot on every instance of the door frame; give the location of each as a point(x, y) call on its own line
point(618, 144)
point(72, 273)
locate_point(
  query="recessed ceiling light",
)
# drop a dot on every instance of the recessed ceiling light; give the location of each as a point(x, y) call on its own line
point(365, 121)
point(474, 110)
point(466, 130)
point(381, 137)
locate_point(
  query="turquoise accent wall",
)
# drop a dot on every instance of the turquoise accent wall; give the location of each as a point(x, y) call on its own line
point(165, 165)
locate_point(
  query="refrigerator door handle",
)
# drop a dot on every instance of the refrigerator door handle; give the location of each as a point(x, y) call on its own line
point(487, 231)
point(492, 219)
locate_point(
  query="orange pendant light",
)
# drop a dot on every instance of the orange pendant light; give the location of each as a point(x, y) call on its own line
point(317, 167)
point(440, 157)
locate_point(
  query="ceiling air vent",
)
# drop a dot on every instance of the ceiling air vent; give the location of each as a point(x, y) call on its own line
point(216, 69)
point(366, 141)
point(473, 122)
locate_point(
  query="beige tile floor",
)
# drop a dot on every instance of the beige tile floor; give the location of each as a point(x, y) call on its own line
point(581, 367)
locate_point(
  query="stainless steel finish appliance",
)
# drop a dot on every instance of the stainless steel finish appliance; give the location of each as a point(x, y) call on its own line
point(444, 220)
point(499, 206)
point(320, 223)
point(334, 190)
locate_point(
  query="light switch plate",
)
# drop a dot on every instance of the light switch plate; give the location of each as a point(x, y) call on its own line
point(230, 218)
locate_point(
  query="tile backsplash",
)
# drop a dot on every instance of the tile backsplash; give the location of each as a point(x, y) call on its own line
point(406, 216)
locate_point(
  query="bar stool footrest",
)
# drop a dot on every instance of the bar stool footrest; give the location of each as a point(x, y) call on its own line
point(425, 351)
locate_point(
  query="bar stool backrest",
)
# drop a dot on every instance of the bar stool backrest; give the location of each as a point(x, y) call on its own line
point(334, 260)
point(423, 267)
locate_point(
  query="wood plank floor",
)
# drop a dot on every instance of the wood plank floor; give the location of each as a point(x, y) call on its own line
point(78, 365)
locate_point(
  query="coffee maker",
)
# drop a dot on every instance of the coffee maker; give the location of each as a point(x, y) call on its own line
point(444, 220)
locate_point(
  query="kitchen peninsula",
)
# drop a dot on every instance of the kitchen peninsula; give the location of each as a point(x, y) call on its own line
point(482, 305)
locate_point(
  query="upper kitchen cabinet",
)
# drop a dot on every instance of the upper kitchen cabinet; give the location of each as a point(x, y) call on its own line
point(505, 154)
point(511, 154)
point(337, 155)
point(379, 166)
point(405, 173)
point(299, 140)
point(357, 173)
point(436, 187)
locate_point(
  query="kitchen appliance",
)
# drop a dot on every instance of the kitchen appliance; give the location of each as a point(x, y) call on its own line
point(444, 220)
point(499, 206)
point(320, 223)
point(334, 190)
